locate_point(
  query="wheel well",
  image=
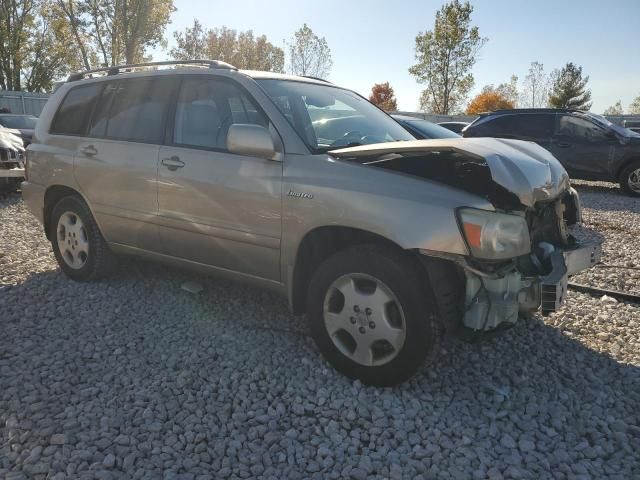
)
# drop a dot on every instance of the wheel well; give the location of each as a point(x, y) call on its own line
point(318, 245)
point(51, 197)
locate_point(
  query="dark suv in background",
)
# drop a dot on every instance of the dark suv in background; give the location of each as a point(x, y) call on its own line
point(589, 146)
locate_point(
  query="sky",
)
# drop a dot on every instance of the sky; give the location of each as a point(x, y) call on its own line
point(373, 41)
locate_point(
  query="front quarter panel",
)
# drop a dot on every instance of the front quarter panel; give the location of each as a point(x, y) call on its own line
point(414, 213)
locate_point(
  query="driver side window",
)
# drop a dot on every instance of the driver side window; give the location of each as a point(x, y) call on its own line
point(205, 110)
point(579, 128)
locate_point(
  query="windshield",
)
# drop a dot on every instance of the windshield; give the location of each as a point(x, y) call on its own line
point(328, 117)
point(431, 130)
point(26, 122)
point(607, 125)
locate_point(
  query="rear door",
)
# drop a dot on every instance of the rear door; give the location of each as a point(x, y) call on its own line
point(532, 127)
point(582, 147)
point(117, 163)
point(215, 207)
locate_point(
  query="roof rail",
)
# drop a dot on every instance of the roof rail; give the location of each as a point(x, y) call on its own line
point(115, 70)
point(316, 78)
point(530, 110)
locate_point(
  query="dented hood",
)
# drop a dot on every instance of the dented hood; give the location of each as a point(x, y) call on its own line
point(523, 168)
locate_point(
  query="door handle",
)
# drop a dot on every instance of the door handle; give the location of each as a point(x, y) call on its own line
point(173, 163)
point(564, 145)
point(89, 151)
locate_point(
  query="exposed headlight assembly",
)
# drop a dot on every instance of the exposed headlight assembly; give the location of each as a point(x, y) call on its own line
point(494, 236)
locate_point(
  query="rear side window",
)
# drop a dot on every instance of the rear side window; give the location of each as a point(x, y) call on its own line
point(133, 110)
point(100, 117)
point(495, 127)
point(535, 125)
point(73, 114)
point(570, 126)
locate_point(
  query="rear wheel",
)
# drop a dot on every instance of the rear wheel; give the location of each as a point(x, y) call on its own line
point(630, 179)
point(78, 245)
point(370, 314)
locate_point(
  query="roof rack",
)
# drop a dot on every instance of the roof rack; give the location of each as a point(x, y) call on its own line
point(530, 110)
point(316, 78)
point(115, 70)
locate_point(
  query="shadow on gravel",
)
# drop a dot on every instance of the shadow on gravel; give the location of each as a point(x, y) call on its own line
point(8, 199)
point(118, 366)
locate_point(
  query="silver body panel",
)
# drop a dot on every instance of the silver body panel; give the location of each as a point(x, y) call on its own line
point(245, 217)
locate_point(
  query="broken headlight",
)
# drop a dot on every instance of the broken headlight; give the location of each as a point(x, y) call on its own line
point(494, 236)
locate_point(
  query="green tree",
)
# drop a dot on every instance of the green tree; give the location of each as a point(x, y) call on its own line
point(112, 32)
point(445, 57)
point(634, 108)
point(309, 54)
point(242, 49)
point(191, 43)
point(569, 89)
point(17, 25)
point(508, 90)
point(34, 45)
point(615, 109)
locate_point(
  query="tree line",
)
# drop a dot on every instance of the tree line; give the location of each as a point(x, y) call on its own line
point(42, 41)
point(445, 57)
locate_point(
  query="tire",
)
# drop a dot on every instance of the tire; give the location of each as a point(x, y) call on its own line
point(630, 179)
point(380, 334)
point(85, 255)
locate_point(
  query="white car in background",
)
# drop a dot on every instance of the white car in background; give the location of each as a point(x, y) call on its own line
point(11, 160)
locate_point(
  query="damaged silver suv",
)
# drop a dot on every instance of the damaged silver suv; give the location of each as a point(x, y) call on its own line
point(300, 186)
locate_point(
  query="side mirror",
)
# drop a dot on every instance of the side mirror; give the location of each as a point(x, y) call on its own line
point(251, 140)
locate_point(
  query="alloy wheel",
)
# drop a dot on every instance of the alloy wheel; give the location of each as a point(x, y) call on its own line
point(73, 242)
point(364, 319)
point(633, 180)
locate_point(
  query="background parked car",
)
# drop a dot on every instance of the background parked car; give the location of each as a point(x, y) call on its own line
point(588, 145)
point(11, 161)
point(26, 124)
point(422, 129)
point(456, 127)
point(633, 125)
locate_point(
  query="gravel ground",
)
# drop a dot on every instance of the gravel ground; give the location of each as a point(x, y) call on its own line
point(617, 217)
point(135, 378)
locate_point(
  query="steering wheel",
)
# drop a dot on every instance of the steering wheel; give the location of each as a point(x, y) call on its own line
point(347, 138)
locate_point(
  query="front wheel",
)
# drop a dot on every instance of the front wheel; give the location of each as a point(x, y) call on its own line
point(370, 314)
point(78, 245)
point(630, 179)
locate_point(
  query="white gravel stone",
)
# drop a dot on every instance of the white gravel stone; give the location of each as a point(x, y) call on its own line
point(227, 384)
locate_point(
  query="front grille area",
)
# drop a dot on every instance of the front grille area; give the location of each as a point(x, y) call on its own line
point(549, 221)
point(9, 158)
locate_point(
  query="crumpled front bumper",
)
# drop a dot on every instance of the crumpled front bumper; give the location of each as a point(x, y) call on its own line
point(553, 286)
point(494, 300)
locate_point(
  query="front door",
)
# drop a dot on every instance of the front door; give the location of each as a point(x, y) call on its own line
point(582, 147)
point(215, 207)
